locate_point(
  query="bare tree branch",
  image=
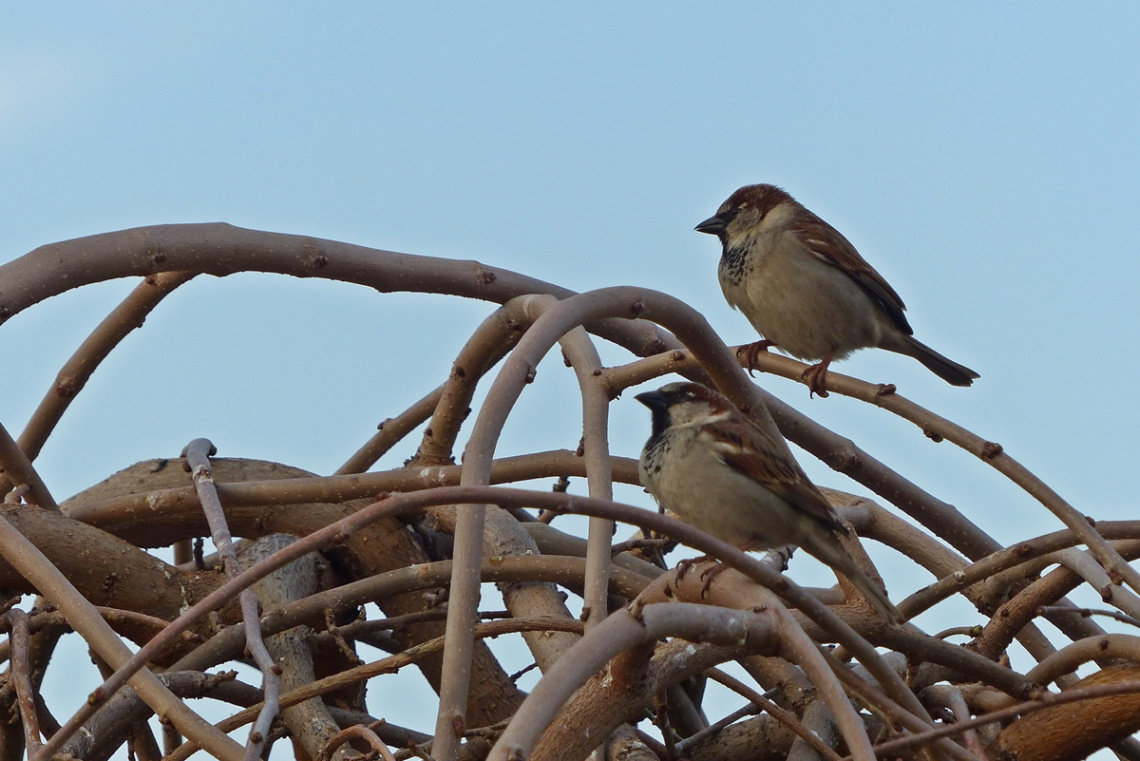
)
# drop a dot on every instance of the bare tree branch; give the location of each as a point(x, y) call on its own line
point(18, 478)
point(73, 376)
point(354, 530)
point(32, 564)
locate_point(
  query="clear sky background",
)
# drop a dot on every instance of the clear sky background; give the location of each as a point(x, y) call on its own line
point(984, 159)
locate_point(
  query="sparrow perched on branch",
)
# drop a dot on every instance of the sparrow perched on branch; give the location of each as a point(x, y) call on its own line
point(805, 288)
point(716, 470)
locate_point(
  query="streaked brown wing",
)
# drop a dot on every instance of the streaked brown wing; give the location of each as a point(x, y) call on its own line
point(829, 245)
point(748, 450)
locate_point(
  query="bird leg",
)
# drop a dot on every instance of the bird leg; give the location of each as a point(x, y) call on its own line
point(784, 554)
point(683, 566)
point(706, 576)
point(816, 376)
point(748, 353)
point(709, 575)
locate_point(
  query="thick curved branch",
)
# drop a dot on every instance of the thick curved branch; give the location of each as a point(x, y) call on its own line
point(582, 356)
point(557, 320)
point(1073, 731)
point(406, 504)
point(691, 328)
point(221, 249)
point(33, 565)
point(623, 631)
point(1069, 658)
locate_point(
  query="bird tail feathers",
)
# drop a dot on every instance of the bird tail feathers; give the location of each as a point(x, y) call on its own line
point(945, 368)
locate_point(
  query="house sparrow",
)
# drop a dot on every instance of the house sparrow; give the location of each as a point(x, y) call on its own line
point(806, 289)
point(716, 470)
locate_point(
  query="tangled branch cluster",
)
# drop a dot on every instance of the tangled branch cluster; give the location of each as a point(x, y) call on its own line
point(829, 677)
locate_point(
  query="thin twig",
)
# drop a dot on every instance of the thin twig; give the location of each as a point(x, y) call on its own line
point(112, 512)
point(361, 732)
point(18, 473)
point(1115, 614)
point(221, 249)
point(21, 676)
point(873, 697)
point(197, 454)
point(1021, 553)
point(761, 701)
point(951, 696)
point(490, 342)
point(73, 376)
point(389, 433)
point(712, 729)
point(227, 643)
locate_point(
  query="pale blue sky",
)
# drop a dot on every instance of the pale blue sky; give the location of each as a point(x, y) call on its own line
point(983, 159)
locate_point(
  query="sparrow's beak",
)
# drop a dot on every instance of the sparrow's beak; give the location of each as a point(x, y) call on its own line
point(715, 225)
point(654, 400)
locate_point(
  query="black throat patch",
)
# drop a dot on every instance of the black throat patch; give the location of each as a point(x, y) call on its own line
point(733, 261)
